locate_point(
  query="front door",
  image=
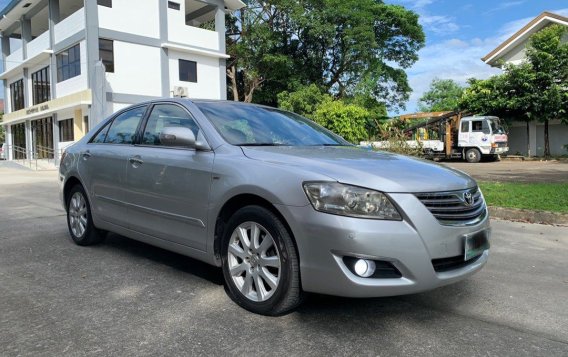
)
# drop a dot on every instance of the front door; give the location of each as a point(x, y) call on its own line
point(103, 166)
point(42, 138)
point(168, 188)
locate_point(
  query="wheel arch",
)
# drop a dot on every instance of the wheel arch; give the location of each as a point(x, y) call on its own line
point(237, 202)
point(69, 184)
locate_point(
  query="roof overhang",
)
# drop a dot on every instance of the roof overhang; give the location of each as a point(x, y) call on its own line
point(12, 13)
point(539, 22)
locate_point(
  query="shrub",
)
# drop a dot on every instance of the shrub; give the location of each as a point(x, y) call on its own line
point(347, 120)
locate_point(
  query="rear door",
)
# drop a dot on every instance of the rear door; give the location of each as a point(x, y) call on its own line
point(168, 188)
point(102, 165)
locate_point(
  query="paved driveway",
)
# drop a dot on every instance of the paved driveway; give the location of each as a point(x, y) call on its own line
point(128, 298)
point(515, 171)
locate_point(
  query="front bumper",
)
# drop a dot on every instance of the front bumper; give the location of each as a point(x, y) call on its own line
point(499, 150)
point(409, 245)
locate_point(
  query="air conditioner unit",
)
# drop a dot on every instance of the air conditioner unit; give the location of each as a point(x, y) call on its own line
point(180, 92)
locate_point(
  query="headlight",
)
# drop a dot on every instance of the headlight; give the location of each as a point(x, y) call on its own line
point(352, 201)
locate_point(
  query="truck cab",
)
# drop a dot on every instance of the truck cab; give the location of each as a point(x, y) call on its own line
point(481, 136)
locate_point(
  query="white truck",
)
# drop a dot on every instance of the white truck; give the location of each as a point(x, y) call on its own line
point(451, 136)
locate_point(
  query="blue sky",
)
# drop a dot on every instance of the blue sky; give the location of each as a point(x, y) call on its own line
point(460, 32)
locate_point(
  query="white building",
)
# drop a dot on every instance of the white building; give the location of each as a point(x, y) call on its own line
point(70, 63)
point(513, 51)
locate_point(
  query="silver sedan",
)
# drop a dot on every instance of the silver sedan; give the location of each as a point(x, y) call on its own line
point(283, 205)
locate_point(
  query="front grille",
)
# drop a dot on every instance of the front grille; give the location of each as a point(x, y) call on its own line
point(501, 144)
point(452, 208)
point(452, 263)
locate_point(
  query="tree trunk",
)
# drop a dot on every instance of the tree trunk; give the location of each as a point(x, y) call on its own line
point(546, 142)
point(528, 140)
point(232, 74)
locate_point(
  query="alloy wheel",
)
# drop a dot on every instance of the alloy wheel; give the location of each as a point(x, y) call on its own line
point(78, 214)
point(254, 261)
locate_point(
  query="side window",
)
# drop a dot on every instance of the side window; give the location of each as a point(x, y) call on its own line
point(101, 135)
point(166, 115)
point(123, 127)
point(477, 126)
point(465, 127)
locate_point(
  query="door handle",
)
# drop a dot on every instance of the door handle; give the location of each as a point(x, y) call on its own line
point(87, 154)
point(135, 161)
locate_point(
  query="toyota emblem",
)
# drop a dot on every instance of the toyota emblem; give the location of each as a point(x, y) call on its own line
point(468, 198)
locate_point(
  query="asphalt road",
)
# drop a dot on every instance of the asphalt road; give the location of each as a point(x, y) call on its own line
point(128, 298)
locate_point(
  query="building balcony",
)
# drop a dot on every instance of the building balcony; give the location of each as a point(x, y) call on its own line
point(38, 45)
point(15, 59)
point(71, 25)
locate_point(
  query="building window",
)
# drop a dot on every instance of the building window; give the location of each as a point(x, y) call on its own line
point(41, 86)
point(187, 71)
point(69, 63)
point(107, 3)
point(106, 54)
point(66, 130)
point(17, 95)
point(173, 5)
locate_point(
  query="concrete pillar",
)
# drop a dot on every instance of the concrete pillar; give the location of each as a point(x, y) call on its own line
point(29, 141)
point(95, 70)
point(27, 89)
point(53, 13)
point(164, 58)
point(9, 142)
point(220, 29)
point(26, 35)
point(56, 152)
point(5, 53)
point(78, 124)
point(532, 138)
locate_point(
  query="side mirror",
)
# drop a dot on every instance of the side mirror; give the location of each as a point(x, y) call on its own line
point(177, 137)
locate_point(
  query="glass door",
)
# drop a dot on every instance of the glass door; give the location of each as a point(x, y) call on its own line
point(42, 138)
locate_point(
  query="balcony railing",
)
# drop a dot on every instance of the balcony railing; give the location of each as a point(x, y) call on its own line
point(38, 45)
point(14, 59)
point(71, 25)
point(194, 36)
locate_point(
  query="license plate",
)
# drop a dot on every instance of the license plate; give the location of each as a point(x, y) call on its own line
point(476, 244)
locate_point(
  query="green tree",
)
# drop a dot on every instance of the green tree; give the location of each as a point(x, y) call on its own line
point(305, 101)
point(547, 77)
point(347, 120)
point(280, 45)
point(443, 95)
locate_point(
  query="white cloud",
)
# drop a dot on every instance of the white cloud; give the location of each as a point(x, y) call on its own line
point(505, 5)
point(441, 25)
point(458, 59)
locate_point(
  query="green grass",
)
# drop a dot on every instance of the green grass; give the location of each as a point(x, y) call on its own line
point(551, 197)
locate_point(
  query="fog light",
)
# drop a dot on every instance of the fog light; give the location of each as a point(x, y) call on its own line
point(364, 268)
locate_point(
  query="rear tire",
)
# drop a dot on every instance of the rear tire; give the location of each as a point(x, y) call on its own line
point(472, 155)
point(260, 263)
point(79, 219)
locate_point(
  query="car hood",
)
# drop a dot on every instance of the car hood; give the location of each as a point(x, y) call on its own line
point(377, 170)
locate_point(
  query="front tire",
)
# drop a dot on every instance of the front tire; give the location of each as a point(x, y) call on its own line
point(260, 263)
point(79, 219)
point(472, 155)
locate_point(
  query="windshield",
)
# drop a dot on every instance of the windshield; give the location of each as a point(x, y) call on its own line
point(496, 127)
point(251, 125)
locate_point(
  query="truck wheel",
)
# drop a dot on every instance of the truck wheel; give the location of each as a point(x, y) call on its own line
point(472, 155)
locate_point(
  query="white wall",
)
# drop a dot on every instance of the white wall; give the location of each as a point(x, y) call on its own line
point(75, 84)
point(138, 17)
point(207, 86)
point(136, 70)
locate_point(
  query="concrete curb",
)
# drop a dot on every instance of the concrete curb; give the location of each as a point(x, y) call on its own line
point(525, 215)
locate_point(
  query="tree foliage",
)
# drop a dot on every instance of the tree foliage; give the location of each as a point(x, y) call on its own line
point(443, 95)
point(305, 101)
point(282, 45)
point(347, 120)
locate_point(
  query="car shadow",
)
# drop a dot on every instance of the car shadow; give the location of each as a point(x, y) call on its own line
point(158, 255)
point(315, 306)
